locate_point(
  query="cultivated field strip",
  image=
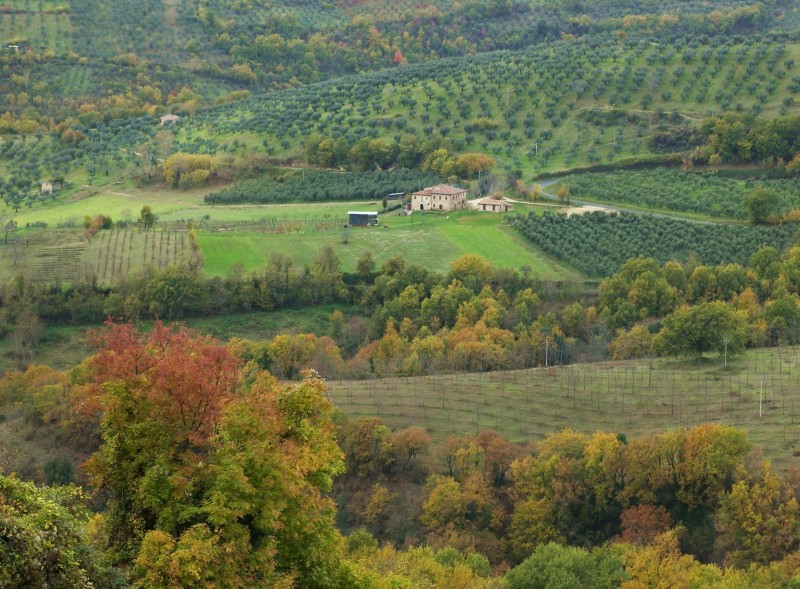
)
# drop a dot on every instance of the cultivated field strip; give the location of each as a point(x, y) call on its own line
point(56, 262)
point(635, 398)
point(52, 256)
point(115, 253)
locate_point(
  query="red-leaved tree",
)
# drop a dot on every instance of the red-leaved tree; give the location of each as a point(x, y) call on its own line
point(187, 378)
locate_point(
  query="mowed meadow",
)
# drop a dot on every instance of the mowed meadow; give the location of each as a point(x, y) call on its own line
point(229, 235)
point(757, 391)
point(430, 240)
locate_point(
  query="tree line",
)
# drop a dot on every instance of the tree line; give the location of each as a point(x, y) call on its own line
point(474, 318)
point(294, 185)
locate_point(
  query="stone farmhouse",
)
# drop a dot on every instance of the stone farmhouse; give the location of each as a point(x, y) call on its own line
point(439, 198)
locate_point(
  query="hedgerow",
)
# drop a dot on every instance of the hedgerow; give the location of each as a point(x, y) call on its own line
point(316, 185)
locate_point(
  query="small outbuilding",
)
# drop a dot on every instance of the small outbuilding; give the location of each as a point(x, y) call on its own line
point(49, 187)
point(494, 204)
point(169, 119)
point(362, 218)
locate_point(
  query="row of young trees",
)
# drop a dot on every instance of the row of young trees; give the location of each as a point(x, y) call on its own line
point(599, 243)
point(281, 185)
point(211, 472)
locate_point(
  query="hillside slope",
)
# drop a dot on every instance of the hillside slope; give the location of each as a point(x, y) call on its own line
point(550, 107)
point(60, 56)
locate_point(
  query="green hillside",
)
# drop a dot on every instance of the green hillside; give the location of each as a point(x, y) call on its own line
point(577, 103)
point(449, 236)
point(149, 56)
point(555, 394)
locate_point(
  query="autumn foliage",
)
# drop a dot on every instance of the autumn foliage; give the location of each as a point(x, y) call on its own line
point(209, 479)
point(187, 379)
point(213, 473)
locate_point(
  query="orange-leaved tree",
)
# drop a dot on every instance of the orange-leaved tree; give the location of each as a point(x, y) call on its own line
point(211, 479)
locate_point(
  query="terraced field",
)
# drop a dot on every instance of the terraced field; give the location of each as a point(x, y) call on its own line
point(46, 256)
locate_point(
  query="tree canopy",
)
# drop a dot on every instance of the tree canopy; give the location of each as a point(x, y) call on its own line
point(707, 327)
point(210, 478)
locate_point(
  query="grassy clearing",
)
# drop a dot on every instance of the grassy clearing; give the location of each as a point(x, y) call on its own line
point(431, 240)
point(59, 347)
point(120, 202)
point(635, 398)
point(262, 326)
point(418, 246)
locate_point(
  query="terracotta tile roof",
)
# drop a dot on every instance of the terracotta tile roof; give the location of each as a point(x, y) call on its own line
point(440, 190)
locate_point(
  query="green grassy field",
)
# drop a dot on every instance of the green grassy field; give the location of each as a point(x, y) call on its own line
point(124, 201)
point(250, 233)
point(120, 202)
point(59, 347)
point(635, 398)
point(431, 240)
